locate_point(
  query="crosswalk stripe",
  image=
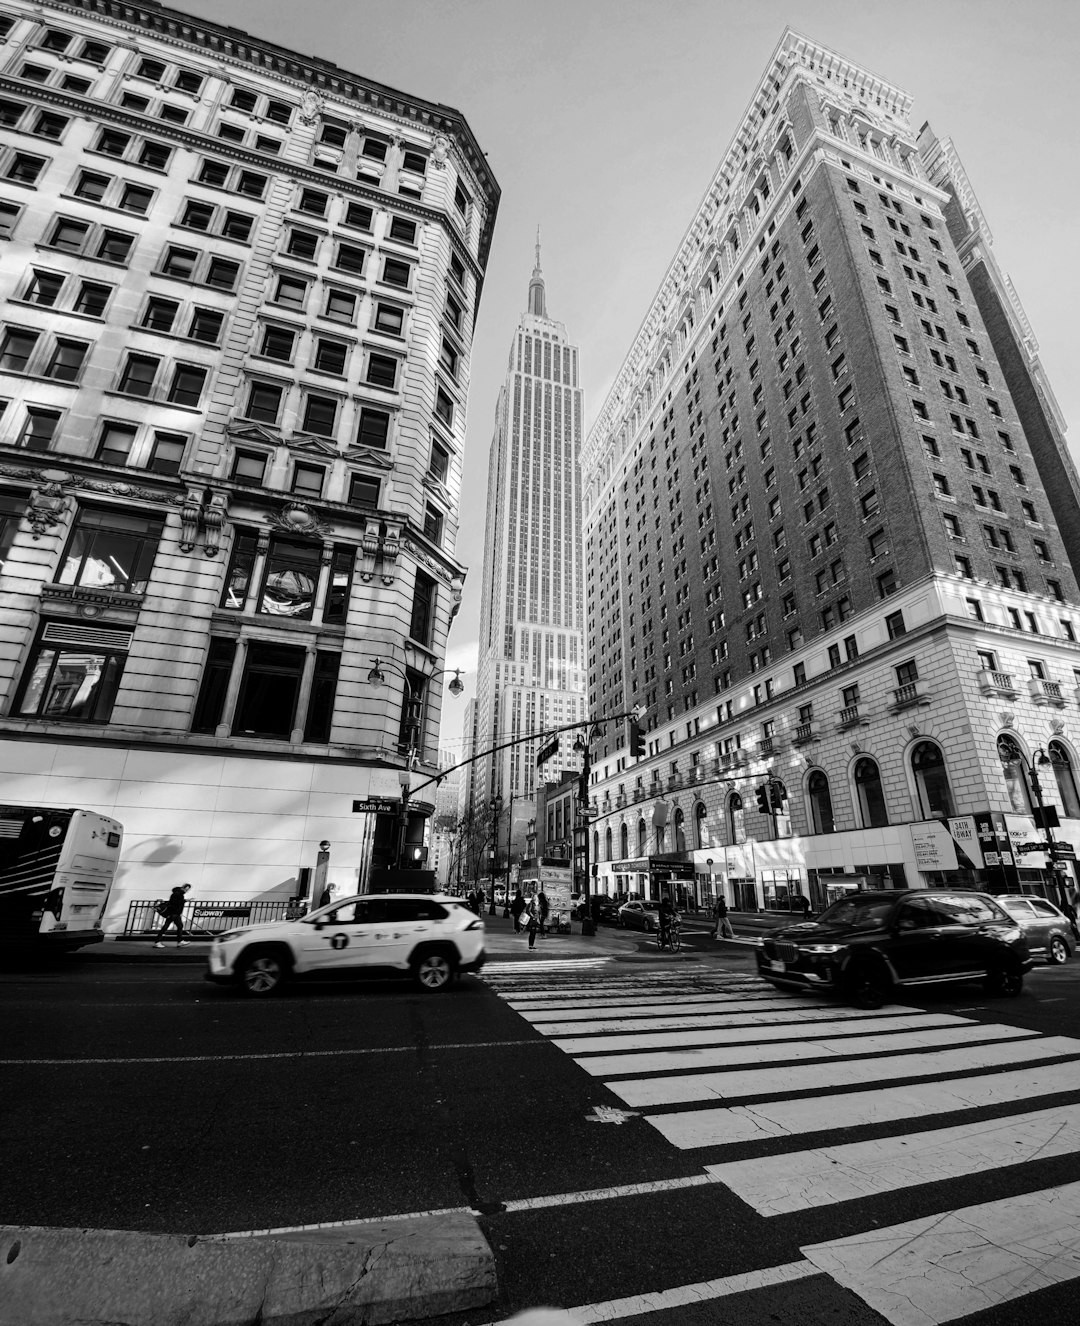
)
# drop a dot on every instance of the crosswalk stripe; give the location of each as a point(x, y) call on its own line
point(625, 1026)
point(524, 968)
point(640, 1008)
point(949, 1265)
point(802, 1180)
point(815, 1114)
point(748, 1051)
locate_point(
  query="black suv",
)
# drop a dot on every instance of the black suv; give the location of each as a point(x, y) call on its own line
point(868, 945)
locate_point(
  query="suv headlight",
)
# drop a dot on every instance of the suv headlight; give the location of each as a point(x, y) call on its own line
point(820, 949)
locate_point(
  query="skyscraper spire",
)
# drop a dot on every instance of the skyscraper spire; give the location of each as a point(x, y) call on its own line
point(537, 296)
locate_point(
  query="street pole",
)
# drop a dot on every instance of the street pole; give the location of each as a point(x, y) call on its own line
point(587, 926)
point(496, 811)
point(509, 837)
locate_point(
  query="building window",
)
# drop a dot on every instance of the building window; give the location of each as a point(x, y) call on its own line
point(389, 319)
point(116, 442)
point(264, 403)
point(111, 550)
point(11, 512)
point(38, 429)
point(886, 584)
point(138, 376)
point(323, 693)
point(433, 523)
point(736, 819)
point(821, 809)
point(290, 579)
point(320, 415)
point(1012, 768)
point(241, 565)
point(373, 429)
point(868, 791)
point(932, 782)
point(210, 705)
point(363, 491)
point(187, 385)
point(248, 468)
point(382, 370)
point(339, 585)
point(269, 690)
point(73, 673)
point(396, 273)
point(166, 453)
point(1065, 779)
point(422, 621)
point(439, 462)
point(307, 480)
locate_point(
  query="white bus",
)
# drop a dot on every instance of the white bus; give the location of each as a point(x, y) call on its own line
point(56, 871)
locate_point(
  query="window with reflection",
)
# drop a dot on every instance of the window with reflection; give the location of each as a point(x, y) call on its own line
point(1012, 769)
point(290, 579)
point(680, 832)
point(607, 844)
point(820, 797)
point(702, 838)
point(1065, 779)
point(111, 550)
point(736, 819)
point(72, 680)
point(868, 792)
point(241, 564)
point(624, 842)
point(339, 584)
point(642, 838)
point(932, 782)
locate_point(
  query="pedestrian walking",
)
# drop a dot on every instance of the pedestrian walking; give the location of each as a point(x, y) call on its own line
point(516, 908)
point(802, 904)
point(326, 895)
point(530, 918)
point(723, 923)
point(173, 912)
point(543, 908)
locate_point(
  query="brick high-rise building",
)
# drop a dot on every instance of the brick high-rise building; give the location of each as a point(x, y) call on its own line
point(828, 519)
point(237, 298)
point(531, 674)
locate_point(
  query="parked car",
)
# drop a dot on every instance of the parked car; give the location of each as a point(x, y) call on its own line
point(608, 909)
point(867, 946)
point(1046, 928)
point(431, 938)
point(639, 916)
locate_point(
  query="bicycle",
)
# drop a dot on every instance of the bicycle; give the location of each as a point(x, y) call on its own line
point(669, 937)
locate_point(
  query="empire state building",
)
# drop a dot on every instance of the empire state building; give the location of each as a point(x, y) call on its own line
point(532, 671)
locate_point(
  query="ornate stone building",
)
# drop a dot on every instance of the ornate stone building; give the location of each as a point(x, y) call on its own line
point(238, 291)
point(829, 513)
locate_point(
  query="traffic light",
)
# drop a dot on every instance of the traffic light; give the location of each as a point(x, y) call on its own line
point(637, 738)
point(762, 794)
point(776, 797)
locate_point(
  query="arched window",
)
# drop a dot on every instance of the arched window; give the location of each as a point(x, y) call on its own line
point(607, 844)
point(735, 819)
point(935, 795)
point(642, 838)
point(701, 826)
point(1012, 768)
point(1066, 780)
point(596, 845)
point(624, 841)
point(868, 792)
point(821, 812)
point(680, 832)
point(661, 838)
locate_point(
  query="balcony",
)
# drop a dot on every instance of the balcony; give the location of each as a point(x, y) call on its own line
point(804, 734)
point(850, 717)
point(1046, 692)
point(998, 683)
point(765, 746)
point(908, 697)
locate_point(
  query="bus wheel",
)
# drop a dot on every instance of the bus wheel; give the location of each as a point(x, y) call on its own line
point(261, 973)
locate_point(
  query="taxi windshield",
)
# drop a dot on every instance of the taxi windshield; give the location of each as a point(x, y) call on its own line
point(857, 913)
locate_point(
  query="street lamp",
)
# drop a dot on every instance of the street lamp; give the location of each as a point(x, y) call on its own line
point(1046, 816)
point(496, 811)
point(581, 747)
point(414, 695)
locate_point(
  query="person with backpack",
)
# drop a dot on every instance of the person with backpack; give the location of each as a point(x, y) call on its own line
point(173, 912)
point(516, 908)
point(530, 920)
point(543, 907)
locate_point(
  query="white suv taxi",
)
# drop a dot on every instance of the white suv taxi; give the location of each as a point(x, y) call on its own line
point(433, 938)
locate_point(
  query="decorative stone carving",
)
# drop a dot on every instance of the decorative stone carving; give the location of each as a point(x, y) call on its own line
point(914, 730)
point(214, 512)
point(1057, 726)
point(390, 548)
point(369, 549)
point(297, 518)
point(440, 150)
point(191, 504)
point(456, 586)
point(47, 504)
point(1006, 720)
point(856, 748)
point(311, 107)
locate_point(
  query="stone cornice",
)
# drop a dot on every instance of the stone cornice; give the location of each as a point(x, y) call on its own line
point(231, 45)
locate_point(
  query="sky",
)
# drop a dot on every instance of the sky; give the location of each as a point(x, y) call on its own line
point(604, 120)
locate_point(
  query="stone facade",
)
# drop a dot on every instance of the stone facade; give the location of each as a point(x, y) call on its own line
point(818, 526)
point(239, 287)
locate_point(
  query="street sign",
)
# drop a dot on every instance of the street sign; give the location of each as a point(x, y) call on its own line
point(1023, 848)
point(548, 752)
point(376, 805)
point(1066, 851)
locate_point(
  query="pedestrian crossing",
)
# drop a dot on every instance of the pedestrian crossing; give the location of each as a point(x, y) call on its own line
point(757, 1083)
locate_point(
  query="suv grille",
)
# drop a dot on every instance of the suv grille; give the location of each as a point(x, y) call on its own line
point(786, 952)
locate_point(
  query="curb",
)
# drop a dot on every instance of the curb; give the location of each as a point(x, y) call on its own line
point(370, 1272)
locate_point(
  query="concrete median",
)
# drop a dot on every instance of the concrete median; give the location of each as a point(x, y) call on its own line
point(361, 1274)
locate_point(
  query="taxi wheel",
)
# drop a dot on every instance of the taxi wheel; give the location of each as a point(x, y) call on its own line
point(261, 974)
point(1007, 981)
point(1058, 950)
point(432, 971)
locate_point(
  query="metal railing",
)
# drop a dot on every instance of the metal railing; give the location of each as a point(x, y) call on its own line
point(202, 917)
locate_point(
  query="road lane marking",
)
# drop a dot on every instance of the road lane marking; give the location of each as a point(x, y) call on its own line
point(802, 1180)
point(950, 1265)
point(744, 1049)
point(893, 1069)
point(725, 1125)
point(665, 1300)
point(277, 1054)
point(618, 1013)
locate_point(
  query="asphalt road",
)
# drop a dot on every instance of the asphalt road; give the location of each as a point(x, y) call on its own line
point(139, 1097)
